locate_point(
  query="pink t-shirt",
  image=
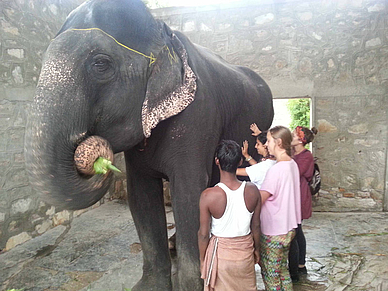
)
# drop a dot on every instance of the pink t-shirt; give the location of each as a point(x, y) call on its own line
point(281, 212)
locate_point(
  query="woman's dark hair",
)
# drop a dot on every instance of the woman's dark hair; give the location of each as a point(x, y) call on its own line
point(309, 134)
point(283, 133)
point(262, 137)
point(229, 154)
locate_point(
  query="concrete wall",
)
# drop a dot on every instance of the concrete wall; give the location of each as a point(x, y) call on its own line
point(336, 52)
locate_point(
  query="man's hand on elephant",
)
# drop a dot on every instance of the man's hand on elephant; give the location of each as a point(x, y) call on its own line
point(255, 129)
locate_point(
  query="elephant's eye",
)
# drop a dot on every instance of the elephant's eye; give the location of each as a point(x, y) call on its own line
point(102, 67)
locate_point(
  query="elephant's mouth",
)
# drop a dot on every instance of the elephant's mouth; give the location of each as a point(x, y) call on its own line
point(88, 154)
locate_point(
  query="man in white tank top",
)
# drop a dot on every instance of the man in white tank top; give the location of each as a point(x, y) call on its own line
point(229, 232)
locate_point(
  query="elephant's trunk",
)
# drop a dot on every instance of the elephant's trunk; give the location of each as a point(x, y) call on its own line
point(58, 123)
point(89, 151)
point(53, 172)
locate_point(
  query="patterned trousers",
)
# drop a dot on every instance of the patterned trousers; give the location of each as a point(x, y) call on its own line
point(273, 256)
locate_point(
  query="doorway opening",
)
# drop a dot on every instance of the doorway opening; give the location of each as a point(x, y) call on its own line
point(292, 111)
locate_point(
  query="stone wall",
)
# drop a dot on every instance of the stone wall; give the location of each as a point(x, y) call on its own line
point(335, 52)
point(26, 28)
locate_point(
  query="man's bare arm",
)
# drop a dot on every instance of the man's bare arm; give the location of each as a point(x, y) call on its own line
point(204, 225)
point(255, 226)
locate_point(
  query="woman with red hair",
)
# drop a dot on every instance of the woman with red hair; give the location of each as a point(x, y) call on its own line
point(305, 161)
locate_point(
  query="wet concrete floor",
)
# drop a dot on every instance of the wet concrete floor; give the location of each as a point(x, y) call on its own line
point(100, 251)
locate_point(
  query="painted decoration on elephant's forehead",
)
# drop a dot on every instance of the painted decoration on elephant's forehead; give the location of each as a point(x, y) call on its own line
point(151, 57)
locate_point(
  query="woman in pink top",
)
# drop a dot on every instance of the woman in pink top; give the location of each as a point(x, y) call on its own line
point(281, 213)
point(305, 161)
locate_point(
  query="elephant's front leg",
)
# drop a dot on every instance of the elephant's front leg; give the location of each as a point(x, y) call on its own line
point(145, 195)
point(185, 198)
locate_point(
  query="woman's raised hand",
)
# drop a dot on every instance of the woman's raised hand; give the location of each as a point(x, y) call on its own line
point(244, 149)
point(255, 129)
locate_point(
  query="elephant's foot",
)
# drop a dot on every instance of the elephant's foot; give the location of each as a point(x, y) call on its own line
point(154, 282)
point(187, 276)
point(188, 282)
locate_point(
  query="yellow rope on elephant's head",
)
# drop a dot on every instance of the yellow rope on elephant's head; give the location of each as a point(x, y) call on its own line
point(151, 56)
point(171, 56)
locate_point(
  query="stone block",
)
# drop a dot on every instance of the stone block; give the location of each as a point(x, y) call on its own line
point(284, 87)
point(366, 142)
point(2, 217)
point(46, 225)
point(326, 126)
point(240, 43)
point(13, 226)
point(373, 42)
point(4, 207)
point(17, 72)
point(357, 204)
point(363, 194)
point(95, 205)
point(20, 94)
point(51, 211)
point(222, 27)
point(77, 213)
point(5, 160)
point(189, 26)
point(8, 28)
point(18, 193)
point(36, 218)
point(20, 118)
point(361, 128)
point(6, 109)
point(18, 53)
point(16, 139)
point(264, 19)
point(18, 158)
point(15, 177)
point(205, 27)
point(377, 195)
point(61, 217)
point(5, 123)
point(21, 206)
point(3, 141)
point(17, 240)
point(305, 66)
point(267, 47)
point(376, 7)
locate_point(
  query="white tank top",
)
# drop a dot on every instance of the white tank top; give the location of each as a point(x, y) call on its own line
point(236, 220)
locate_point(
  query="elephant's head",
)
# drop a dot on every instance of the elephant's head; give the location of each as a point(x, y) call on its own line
point(112, 71)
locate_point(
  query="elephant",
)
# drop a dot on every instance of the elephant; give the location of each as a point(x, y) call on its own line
point(116, 72)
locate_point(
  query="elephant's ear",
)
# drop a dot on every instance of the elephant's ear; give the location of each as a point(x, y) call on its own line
point(171, 86)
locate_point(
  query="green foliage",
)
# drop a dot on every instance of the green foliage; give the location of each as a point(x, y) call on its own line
point(300, 112)
point(102, 165)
